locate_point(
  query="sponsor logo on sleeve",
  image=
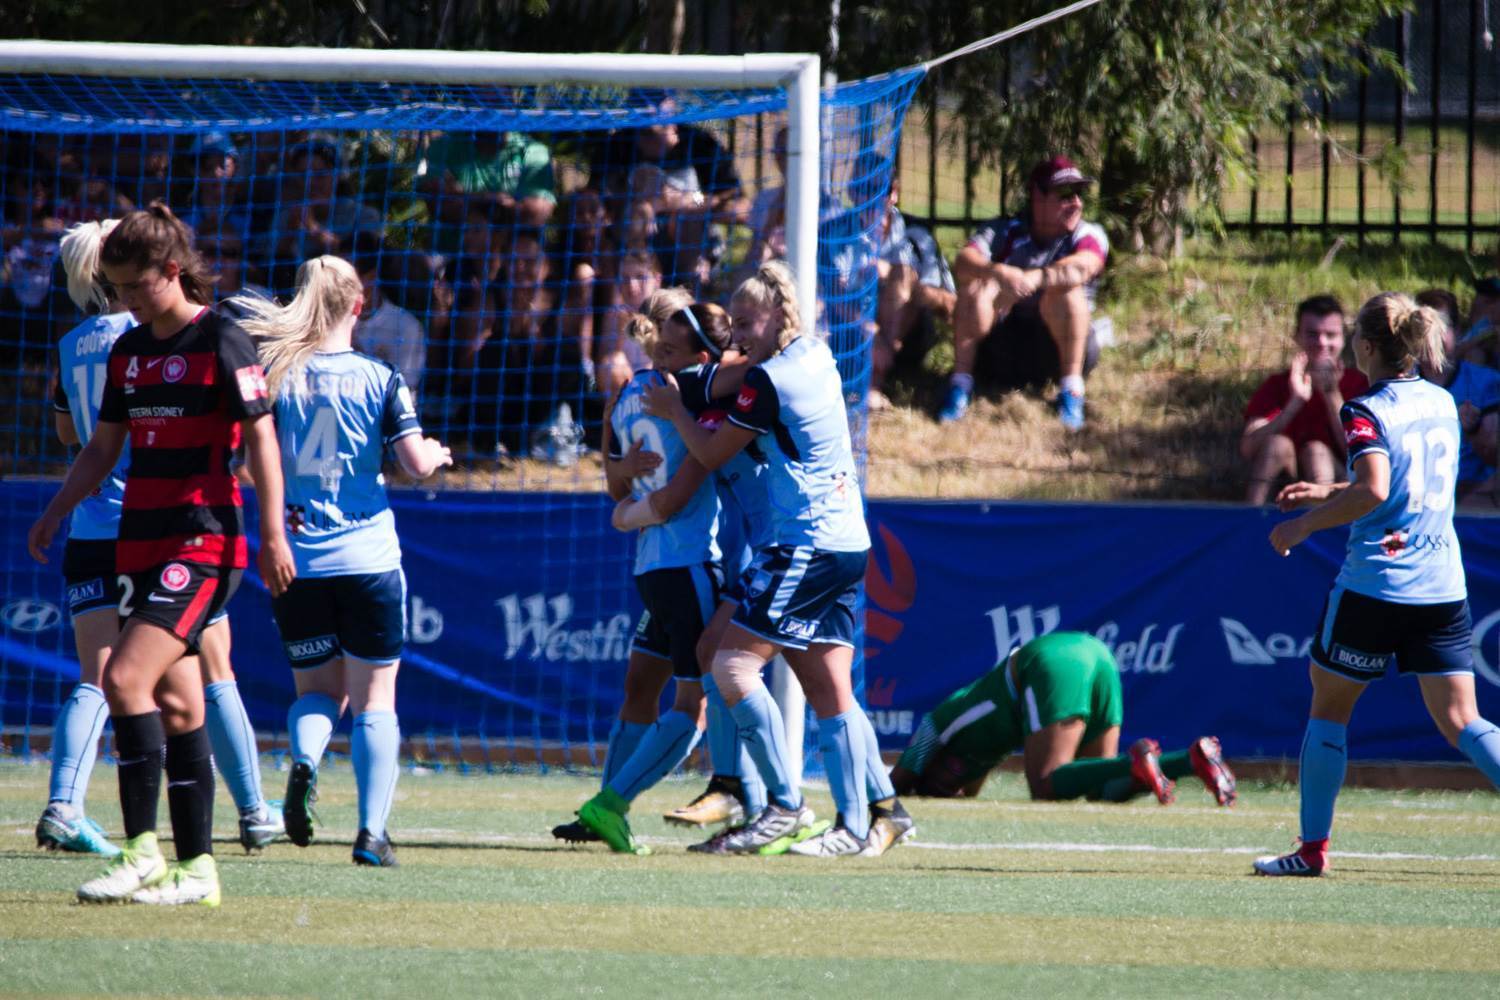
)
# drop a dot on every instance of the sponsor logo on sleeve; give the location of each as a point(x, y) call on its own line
point(745, 399)
point(1358, 429)
point(252, 382)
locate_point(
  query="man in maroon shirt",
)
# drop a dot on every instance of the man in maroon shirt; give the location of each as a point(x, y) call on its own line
point(1292, 423)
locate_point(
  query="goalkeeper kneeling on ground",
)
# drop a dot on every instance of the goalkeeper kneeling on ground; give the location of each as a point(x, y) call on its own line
point(1057, 699)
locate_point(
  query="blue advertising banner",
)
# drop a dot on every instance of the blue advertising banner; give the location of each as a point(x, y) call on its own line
point(521, 610)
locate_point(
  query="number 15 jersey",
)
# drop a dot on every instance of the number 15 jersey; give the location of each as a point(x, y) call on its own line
point(1405, 550)
point(334, 425)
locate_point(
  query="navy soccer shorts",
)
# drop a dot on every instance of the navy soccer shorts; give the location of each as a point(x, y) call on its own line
point(1359, 636)
point(796, 595)
point(360, 614)
point(89, 571)
point(181, 597)
point(679, 602)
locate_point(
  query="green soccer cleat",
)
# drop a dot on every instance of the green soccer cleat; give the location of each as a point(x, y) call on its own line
point(784, 845)
point(191, 882)
point(62, 828)
point(139, 865)
point(605, 815)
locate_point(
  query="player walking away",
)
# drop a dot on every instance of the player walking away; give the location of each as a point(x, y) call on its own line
point(800, 590)
point(1401, 592)
point(183, 387)
point(94, 589)
point(1057, 700)
point(343, 620)
point(677, 569)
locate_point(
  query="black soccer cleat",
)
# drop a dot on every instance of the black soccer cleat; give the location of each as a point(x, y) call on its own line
point(575, 833)
point(373, 851)
point(296, 811)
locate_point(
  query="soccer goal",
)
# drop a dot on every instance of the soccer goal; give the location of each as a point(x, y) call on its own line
point(506, 212)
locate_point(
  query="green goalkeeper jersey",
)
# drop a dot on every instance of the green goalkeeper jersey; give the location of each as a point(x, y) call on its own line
point(1059, 676)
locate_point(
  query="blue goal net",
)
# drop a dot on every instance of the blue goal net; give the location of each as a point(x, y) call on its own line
point(504, 235)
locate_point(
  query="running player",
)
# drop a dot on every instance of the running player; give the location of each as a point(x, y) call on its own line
point(1056, 699)
point(799, 591)
point(94, 589)
point(677, 568)
point(1401, 592)
point(183, 388)
point(343, 619)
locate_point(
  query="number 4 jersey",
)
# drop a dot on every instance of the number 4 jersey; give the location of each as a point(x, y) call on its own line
point(334, 425)
point(1405, 550)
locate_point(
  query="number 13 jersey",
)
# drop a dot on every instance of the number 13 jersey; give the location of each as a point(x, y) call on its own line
point(334, 424)
point(1405, 550)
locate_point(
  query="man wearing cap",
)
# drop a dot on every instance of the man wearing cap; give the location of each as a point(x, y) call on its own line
point(1026, 294)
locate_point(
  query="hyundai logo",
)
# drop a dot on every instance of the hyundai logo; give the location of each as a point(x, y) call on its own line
point(30, 615)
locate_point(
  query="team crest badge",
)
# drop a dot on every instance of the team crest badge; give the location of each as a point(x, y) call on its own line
point(175, 577)
point(174, 368)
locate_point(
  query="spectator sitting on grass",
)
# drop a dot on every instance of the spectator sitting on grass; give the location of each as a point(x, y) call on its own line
point(1292, 424)
point(1476, 392)
point(1026, 293)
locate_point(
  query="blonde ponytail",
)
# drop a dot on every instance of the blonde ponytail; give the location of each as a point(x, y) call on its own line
point(1402, 331)
point(772, 289)
point(79, 249)
point(327, 288)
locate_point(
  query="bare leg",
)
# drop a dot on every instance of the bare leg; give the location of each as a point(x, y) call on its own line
point(1316, 463)
point(1066, 313)
point(1276, 458)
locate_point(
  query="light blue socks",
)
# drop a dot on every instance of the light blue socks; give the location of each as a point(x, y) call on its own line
point(758, 719)
point(842, 742)
point(665, 746)
point(233, 740)
point(375, 745)
point(75, 744)
point(311, 721)
point(730, 758)
point(1480, 742)
point(1325, 756)
point(624, 737)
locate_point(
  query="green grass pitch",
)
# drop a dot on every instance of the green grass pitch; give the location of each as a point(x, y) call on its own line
point(997, 895)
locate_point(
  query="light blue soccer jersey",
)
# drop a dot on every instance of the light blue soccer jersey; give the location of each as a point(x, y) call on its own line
point(1405, 550)
point(333, 435)
point(83, 359)
point(690, 537)
point(741, 480)
point(795, 401)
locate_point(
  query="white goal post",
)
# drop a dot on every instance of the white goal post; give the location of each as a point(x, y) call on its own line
point(797, 74)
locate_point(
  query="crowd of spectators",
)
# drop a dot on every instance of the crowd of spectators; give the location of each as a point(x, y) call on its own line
point(502, 293)
point(1293, 429)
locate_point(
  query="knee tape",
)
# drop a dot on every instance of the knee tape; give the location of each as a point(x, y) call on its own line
point(737, 673)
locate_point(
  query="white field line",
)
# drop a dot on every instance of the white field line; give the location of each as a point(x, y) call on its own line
point(1059, 847)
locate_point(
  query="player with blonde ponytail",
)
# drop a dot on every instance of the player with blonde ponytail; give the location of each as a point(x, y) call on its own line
point(342, 621)
point(1401, 595)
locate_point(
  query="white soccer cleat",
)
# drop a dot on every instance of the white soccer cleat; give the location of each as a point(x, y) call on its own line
point(835, 842)
point(1308, 864)
point(775, 829)
point(261, 827)
point(191, 882)
point(139, 865)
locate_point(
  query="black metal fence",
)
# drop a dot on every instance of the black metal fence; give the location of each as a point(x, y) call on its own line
point(1380, 157)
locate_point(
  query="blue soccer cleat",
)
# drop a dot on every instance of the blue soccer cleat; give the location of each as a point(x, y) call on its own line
point(62, 828)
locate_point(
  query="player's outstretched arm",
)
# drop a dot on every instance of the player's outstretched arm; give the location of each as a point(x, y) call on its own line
point(84, 476)
point(660, 505)
point(1372, 484)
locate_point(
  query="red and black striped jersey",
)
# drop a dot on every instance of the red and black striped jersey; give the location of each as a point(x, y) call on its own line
point(182, 399)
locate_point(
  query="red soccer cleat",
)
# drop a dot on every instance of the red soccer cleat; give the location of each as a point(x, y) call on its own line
point(1208, 764)
point(1145, 767)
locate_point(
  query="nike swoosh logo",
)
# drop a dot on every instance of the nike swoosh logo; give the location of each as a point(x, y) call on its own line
point(159, 600)
point(180, 784)
point(153, 363)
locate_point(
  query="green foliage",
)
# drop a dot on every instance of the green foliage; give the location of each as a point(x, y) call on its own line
point(1161, 98)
